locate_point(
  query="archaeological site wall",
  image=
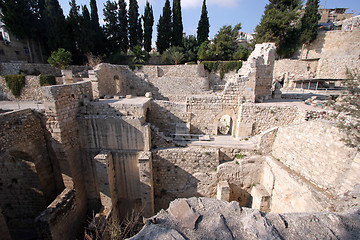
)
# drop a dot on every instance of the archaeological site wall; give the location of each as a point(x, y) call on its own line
point(35, 69)
point(30, 179)
point(322, 158)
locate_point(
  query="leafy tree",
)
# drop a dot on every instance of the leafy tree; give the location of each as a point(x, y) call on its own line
point(57, 31)
point(73, 22)
point(242, 53)
point(134, 34)
point(205, 52)
point(225, 42)
point(123, 26)
point(98, 35)
point(173, 55)
point(279, 24)
point(148, 26)
point(86, 43)
point(177, 24)
point(111, 26)
point(203, 26)
point(60, 59)
point(164, 28)
point(139, 56)
point(191, 48)
point(348, 105)
point(309, 22)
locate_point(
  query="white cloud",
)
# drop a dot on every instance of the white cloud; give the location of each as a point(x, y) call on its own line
point(197, 3)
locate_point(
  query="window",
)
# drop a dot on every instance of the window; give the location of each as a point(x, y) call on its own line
point(26, 51)
point(17, 52)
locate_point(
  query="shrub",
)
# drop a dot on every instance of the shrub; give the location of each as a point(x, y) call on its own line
point(222, 66)
point(60, 59)
point(46, 80)
point(15, 83)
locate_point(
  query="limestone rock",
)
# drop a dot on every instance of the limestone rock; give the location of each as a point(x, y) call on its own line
point(224, 220)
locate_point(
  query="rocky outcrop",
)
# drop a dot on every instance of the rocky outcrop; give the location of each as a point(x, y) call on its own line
point(205, 218)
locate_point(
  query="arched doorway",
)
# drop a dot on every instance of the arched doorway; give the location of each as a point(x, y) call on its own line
point(225, 125)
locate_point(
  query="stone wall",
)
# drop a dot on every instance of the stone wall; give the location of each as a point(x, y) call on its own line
point(291, 193)
point(184, 172)
point(30, 92)
point(62, 105)
point(314, 150)
point(162, 81)
point(35, 69)
point(167, 115)
point(29, 175)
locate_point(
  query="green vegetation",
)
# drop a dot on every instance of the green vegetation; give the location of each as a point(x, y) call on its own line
point(15, 83)
point(240, 156)
point(148, 26)
point(222, 66)
point(164, 29)
point(309, 22)
point(60, 59)
point(46, 80)
point(203, 26)
point(177, 25)
point(135, 29)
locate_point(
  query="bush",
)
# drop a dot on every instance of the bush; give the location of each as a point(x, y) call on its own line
point(46, 80)
point(242, 53)
point(15, 83)
point(60, 59)
point(223, 67)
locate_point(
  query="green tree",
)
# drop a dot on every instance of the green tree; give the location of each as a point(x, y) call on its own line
point(164, 29)
point(86, 43)
point(242, 53)
point(225, 44)
point(309, 22)
point(134, 30)
point(60, 59)
point(148, 26)
point(279, 24)
point(205, 52)
point(139, 56)
point(203, 26)
point(348, 106)
point(191, 47)
point(177, 24)
point(123, 26)
point(98, 35)
point(111, 26)
point(57, 30)
point(73, 22)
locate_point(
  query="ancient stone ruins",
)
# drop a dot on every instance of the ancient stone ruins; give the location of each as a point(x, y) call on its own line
point(113, 140)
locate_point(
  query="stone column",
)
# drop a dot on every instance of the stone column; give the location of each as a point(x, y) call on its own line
point(103, 162)
point(146, 183)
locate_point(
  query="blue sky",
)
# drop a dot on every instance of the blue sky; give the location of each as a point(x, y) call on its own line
point(221, 12)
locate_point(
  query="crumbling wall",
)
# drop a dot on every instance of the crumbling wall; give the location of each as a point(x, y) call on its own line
point(167, 115)
point(62, 105)
point(314, 150)
point(184, 172)
point(30, 92)
point(28, 176)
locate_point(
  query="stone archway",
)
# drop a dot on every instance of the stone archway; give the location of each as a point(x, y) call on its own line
point(225, 123)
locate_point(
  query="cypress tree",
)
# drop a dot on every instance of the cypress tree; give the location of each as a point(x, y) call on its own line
point(86, 44)
point(164, 27)
point(73, 22)
point(123, 27)
point(57, 31)
point(134, 31)
point(177, 24)
point(309, 22)
point(203, 26)
point(148, 26)
point(111, 27)
point(279, 25)
point(99, 47)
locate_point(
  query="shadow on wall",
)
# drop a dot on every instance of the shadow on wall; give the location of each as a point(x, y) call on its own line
point(172, 182)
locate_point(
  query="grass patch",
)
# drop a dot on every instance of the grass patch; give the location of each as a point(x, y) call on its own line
point(240, 156)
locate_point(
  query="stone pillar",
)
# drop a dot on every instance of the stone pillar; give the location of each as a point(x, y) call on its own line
point(223, 191)
point(103, 161)
point(146, 183)
point(260, 198)
point(147, 137)
point(94, 83)
point(67, 76)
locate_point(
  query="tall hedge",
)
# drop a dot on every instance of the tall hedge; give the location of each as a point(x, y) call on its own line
point(15, 83)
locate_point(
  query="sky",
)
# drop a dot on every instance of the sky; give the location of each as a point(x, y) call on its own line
point(220, 12)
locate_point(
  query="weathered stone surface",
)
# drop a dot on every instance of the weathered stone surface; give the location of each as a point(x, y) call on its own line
point(184, 213)
point(223, 220)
